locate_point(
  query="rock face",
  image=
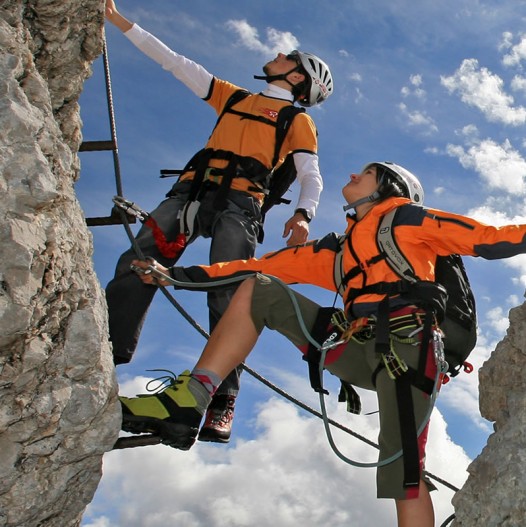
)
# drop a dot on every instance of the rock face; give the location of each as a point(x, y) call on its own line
point(58, 407)
point(495, 492)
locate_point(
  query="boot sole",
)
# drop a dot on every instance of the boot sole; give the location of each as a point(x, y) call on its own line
point(212, 437)
point(176, 435)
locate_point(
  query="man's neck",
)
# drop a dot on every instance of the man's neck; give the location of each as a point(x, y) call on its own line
point(278, 93)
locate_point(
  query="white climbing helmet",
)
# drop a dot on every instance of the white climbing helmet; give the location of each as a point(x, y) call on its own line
point(319, 84)
point(410, 183)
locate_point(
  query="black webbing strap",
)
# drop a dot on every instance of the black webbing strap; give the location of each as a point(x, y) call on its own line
point(408, 431)
point(403, 383)
point(228, 173)
point(313, 355)
point(359, 269)
point(198, 163)
point(349, 395)
point(382, 340)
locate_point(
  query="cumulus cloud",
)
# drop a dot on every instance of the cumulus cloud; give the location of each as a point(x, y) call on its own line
point(517, 52)
point(499, 165)
point(498, 319)
point(480, 88)
point(276, 40)
point(415, 87)
point(418, 119)
point(287, 476)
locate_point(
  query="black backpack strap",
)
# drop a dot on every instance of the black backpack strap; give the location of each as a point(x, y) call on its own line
point(236, 97)
point(282, 177)
point(284, 121)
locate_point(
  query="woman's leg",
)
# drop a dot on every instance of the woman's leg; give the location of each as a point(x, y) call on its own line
point(417, 512)
point(233, 337)
point(176, 412)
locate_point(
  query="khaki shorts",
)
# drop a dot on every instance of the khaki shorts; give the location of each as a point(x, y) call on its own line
point(354, 362)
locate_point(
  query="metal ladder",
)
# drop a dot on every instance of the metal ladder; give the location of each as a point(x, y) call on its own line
point(115, 217)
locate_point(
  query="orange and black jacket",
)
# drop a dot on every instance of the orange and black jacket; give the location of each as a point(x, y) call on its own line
point(421, 234)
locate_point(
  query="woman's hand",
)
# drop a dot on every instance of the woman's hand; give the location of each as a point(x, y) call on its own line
point(144, 271)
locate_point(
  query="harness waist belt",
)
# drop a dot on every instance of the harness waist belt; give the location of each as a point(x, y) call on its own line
point(410, 317)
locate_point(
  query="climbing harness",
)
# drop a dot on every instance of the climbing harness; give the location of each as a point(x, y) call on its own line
point(272, 183)
point(127, 212)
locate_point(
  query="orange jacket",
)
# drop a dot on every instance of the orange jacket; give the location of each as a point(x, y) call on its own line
point(420, 233)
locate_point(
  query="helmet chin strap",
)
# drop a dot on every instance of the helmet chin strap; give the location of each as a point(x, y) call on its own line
point(280, 77)
point(368, 199)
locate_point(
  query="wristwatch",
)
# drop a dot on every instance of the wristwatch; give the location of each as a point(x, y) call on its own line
point(305, 213)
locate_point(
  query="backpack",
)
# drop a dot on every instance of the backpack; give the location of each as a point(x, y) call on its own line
point(460, 317)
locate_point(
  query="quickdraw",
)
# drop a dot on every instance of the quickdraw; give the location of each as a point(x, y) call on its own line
point(169, 249)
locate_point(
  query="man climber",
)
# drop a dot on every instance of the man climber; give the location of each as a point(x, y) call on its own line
point(226, 183)
point(383, 344)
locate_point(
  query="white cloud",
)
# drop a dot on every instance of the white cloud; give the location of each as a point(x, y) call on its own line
point(277, 41)
point(506, 42)
point(102, 521)
point(418, 119)
point(484, 90)
point(498, 319)
point(517, 52)
point(518, 84)
point(287, 476)
point(499, 165)
point(355, 77)
point(415, 88)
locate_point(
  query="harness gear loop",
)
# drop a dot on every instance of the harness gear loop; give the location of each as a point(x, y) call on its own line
point(394, 365)
point(358, 325)
point(187, 218)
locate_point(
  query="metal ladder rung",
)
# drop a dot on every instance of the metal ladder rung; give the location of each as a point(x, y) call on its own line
point(115, 218)
point(97, 146)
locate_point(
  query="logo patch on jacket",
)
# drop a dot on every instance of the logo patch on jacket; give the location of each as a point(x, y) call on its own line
point(269, 112)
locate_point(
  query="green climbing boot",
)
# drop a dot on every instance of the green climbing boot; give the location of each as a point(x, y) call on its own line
point(173, 413)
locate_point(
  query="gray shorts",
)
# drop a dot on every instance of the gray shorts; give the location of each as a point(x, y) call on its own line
point(353, 362)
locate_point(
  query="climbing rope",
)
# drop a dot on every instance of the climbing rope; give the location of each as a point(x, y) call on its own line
point(126, 442)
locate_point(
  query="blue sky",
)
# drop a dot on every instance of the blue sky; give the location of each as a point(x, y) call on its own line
point(438, 87)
